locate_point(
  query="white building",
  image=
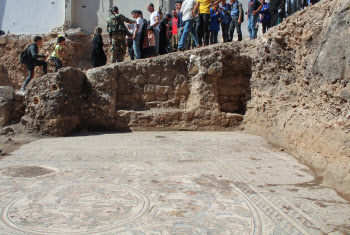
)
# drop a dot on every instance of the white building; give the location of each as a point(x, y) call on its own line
point(40, 16)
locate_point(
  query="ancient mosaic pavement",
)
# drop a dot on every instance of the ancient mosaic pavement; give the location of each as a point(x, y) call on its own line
point(164, 183)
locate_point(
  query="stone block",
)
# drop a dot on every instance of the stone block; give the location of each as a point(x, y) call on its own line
point(161, 89)
point(5, 111)
point(148, 97)
point(140, 80)
point(6, 92)
point(25, 39)
point(149, 88)
point(11, 38)
point(153, 79)
point(168, 81)
point(161, 97)
point(182, 89)
point(3, 40)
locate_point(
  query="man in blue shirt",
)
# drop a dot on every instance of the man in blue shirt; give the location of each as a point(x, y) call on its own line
point(225, 20)
point(236, 19)
point(254, 7)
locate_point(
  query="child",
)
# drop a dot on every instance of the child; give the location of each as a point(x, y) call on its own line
point(145, 46)
point(214, 24)
point(130, 42)
point(152, 41)
point(58, 52)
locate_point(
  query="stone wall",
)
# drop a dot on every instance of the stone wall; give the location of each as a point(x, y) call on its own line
point(179, 91)
point(11, 106)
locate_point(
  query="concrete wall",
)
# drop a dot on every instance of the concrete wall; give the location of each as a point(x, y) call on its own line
point(87, 14)
point(31, 16)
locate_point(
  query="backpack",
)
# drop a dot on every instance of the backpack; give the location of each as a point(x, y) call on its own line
point(113, 26)
point(241, 12)
point(118, 28)
point(23, 55)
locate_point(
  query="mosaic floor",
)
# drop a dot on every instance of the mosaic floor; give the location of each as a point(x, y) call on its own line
point(164, 183)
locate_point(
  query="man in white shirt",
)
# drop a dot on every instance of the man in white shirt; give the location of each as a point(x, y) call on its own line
point(154, 20)
point(137, 34)
point(188, 18)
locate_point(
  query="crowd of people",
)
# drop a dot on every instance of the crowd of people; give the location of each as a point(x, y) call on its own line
point(192, 24)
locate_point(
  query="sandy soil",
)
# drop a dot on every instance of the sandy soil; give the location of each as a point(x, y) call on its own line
point(14, 140)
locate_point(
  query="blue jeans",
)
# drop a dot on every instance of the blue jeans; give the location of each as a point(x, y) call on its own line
point(136, 46)
point(252, 21)
point(188, 28)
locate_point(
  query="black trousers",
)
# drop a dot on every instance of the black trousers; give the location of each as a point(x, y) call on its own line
point(265, 27)
point(57, 62)
point(214, 37)
point(31, 68)
point(225, 31)
point(163, 45)
point(131, 53)
point(234, 25)
point(274, 18)
point(203, 23)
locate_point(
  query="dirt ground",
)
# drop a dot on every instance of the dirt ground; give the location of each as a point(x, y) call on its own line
point(14, 140)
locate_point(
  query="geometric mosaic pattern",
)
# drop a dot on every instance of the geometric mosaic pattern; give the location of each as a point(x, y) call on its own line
point(165, 183)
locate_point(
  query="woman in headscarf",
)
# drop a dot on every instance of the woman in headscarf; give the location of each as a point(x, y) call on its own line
point(98, 56)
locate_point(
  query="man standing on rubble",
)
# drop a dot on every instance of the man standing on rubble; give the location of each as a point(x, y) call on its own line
point(117, 33)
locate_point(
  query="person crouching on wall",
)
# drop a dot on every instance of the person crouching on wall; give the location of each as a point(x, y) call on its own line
point(58, 52)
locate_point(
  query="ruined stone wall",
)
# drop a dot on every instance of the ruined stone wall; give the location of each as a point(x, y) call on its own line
point(179, 91)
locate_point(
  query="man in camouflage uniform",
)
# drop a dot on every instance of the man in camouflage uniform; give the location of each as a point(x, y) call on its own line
point(117, 33)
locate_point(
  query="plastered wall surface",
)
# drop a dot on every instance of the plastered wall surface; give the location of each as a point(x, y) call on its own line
point(40, 16)
point(31, 16)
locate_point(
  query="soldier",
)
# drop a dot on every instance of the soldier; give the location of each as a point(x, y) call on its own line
point(117, 33)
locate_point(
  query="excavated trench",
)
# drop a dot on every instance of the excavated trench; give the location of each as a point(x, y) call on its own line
point(234, 85)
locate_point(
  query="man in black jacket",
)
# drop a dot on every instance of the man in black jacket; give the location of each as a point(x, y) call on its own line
point(164, 34)
point(275, 8)
point(298, 5)
point(31, 60)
